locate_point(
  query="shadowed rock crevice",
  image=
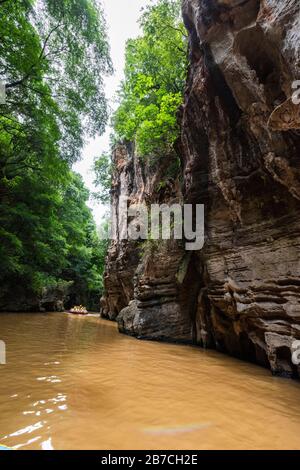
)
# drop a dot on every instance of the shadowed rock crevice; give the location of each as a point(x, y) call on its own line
point(220, 87)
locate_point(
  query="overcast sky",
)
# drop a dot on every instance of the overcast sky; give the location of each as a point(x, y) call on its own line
point(122, 17)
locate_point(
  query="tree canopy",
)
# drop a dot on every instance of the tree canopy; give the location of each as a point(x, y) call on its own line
point(155, 73)
point(53, 58)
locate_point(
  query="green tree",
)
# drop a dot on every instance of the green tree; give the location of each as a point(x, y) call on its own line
point(86, 251)
point(53, 56)
point(155, 74)
point(103, 171)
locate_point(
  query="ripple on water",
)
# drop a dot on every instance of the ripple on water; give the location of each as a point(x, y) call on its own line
point(78, 384)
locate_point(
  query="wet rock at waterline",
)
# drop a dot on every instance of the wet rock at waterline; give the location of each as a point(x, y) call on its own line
point(239, 149)
point(49, 300)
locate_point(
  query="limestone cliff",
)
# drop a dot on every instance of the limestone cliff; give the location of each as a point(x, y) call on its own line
point(141, 278)
point(239, 150)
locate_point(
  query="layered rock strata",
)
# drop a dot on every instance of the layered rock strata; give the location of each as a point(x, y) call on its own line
point(240, 150)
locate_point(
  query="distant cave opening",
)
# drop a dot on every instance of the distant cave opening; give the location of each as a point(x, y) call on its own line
point(48, 306)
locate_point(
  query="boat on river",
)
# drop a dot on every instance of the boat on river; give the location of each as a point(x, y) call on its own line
point(78, 310)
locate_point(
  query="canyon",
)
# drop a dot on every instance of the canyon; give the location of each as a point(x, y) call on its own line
point(239, 156)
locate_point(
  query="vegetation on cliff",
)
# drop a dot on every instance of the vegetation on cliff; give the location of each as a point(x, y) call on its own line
point(151, 92)
point(53, 56)
point(155, 73)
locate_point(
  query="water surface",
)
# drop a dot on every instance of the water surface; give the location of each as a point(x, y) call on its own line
point(74, 383)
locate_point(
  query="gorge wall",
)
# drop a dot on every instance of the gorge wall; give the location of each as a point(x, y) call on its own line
point(239, 149)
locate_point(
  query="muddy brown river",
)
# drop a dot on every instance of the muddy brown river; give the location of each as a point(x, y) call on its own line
point(75, 383)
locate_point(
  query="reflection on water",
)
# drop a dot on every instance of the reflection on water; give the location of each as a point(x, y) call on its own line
point(75, 383)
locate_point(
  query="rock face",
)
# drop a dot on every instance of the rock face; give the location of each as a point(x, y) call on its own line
point(123, 257)
point(141, 280)
point(50, 300)
point(240, 149)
